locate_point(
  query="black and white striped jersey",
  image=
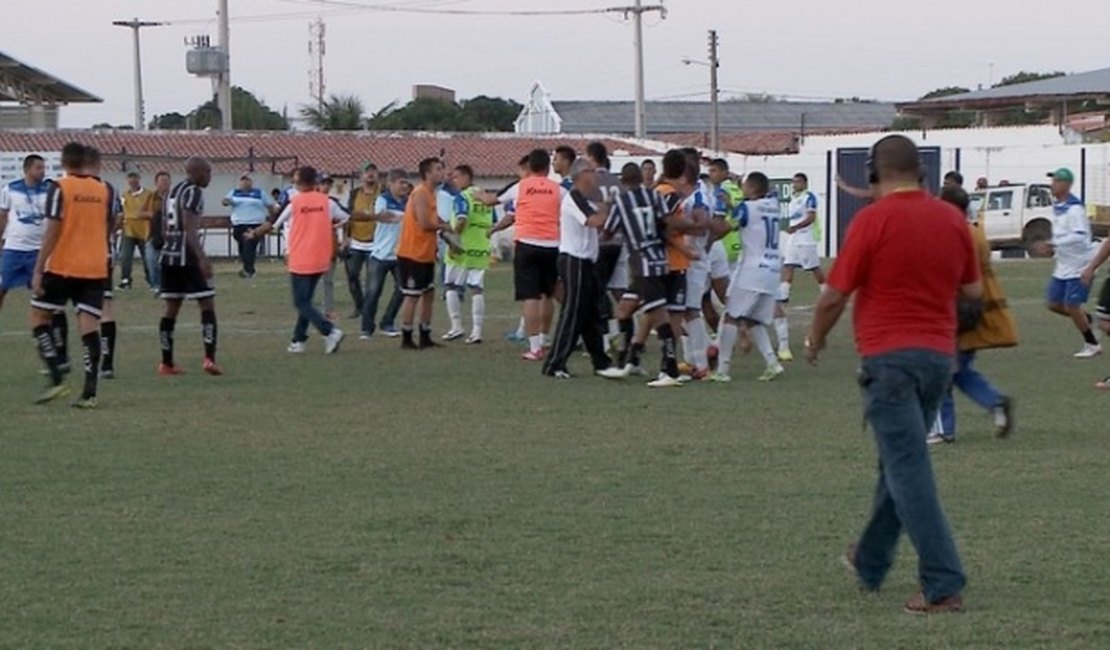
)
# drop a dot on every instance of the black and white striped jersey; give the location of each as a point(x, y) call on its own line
point(638, 214)
point(184, 197)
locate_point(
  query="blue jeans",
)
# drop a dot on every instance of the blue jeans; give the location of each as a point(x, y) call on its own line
point(379, 271)
point(304, 287)
point(974, 385)
point(902, 391)
point(127, 248)
point(153, 254)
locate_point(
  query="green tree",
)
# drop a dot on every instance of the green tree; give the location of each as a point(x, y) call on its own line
point(481, 113)
point(338, 113)
point(944, 92)
point(1025, 77)
point(248, 113)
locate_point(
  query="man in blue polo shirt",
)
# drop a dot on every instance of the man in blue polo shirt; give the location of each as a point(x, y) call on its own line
point(22, 214)
point(389, 209)
point(250, 207)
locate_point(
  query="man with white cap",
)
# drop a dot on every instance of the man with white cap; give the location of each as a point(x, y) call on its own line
point(250, 207)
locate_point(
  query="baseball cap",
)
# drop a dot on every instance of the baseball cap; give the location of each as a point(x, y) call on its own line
point(322, 178)
point(1062, 174)
point(246, 176)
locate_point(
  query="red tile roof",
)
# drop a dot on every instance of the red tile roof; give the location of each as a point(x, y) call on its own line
point(339, 153)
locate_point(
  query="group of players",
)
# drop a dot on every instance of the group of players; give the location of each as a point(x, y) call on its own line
point(58, 235)
point(662, 249)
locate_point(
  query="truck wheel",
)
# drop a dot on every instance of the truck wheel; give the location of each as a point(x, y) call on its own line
point(1035, 233)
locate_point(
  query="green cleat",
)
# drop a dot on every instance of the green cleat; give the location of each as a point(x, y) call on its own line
point(720, 378)
point(85, 403)
point(772, 373)
point(53, 393)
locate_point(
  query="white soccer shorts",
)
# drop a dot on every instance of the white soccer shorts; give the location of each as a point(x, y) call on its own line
point(750, 305)
point(460, 276)
point(802, 255)
point(697, 283)
point(718, 262)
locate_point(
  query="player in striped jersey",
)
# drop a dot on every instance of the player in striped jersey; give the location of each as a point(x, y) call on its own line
point(639, 215)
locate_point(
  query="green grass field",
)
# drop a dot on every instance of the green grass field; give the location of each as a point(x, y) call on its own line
point(455, 498)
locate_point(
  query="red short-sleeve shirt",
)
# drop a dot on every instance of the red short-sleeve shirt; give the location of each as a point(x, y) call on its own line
point(905, 258)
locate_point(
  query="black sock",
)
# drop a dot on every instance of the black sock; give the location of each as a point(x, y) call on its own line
point(1089, 337)
point(108, 345)
point(91, 343)
point(425, 333)
point(59, 330)
point(406, 334)
point(627, 329)
point(165, 336)
point(636, 354)
point(666, 338)
point(209, 333)
point(48, 352)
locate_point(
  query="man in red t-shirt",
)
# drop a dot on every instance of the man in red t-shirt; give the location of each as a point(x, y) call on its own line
point(905, 327)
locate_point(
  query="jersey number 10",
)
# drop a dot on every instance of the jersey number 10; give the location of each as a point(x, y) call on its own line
point(771, 225)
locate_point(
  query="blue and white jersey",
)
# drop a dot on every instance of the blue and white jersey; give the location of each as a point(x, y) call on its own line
point(801, 204)
point(761, 265)
point(699, 199)
point(249, 207)
point(386, 235)
point(26, 208)
point(1071, 238)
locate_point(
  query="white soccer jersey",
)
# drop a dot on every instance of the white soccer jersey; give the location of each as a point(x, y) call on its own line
point(761, 265)
point(801, 204)
point(26, 208)
point(698, 200)
point(1071, 237)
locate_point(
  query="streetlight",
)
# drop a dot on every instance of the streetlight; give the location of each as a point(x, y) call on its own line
point(135, 25)
point(714, 91)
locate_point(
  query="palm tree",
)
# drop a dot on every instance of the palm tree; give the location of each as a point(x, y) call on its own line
point(338, 113)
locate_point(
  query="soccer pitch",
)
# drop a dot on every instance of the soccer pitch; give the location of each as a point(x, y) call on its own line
point(456, 498)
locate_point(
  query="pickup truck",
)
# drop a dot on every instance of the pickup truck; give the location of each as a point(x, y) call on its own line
point(1016, 216)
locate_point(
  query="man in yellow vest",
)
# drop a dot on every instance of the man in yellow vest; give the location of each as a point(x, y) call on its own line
point(136, 229)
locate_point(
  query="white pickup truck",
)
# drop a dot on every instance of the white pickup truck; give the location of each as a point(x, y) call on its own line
point(1016, 216)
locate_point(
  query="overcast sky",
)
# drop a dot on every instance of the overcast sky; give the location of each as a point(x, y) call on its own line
point(802, 48)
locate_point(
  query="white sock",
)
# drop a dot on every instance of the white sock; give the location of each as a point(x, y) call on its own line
point(699, 343)
point(762, 339)
point(782, 331)
point(535, 343)
point(821, 287)
point(726, 340)
point(614, 328)
point(478, 313)
point(454, 310)
point(544, 340)
point(520, 328)
point(686, 349)
point(784, 292)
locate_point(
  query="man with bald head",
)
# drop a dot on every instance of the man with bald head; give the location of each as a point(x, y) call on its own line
point(905, 329)
point(186, 270)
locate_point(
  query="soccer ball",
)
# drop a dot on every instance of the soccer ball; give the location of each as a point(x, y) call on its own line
point(685, 368)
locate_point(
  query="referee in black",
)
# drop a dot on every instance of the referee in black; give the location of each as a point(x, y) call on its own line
point(580, 221)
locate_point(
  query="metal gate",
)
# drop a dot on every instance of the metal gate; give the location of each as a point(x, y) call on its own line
point(851, 165)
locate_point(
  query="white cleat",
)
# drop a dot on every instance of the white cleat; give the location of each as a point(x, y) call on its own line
point(1088, 352)
point(772, 372)
point(473, 339)
point(634, 371)
point(664, 381)
point(612, 372)
point(453, 334)
point(720, 378)
point(295, 348)
point(331, 343)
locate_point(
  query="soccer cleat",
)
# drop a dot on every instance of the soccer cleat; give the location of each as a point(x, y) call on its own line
point(391, 332)
point(664, 381)
point(1003, 418)
point(124, 284)
point(428, 344)
point(53, 393)
point(85, 403)
point(938, 439)
point(785, 355)
point(210, 368)
point(407, 344)
point(532, 356)
point(1088, 352)
point(560, 374)
point(1104, 384)
point(632, 370)
point(453, 334)
point(332, 340)
point(166, 370)
point(473, 339)
point(612, 372)
point(772, 373)
point(107, 373)
point(720, 378)
point(296, 347)
point(515, 337)
point(917, 604)
point(365, 336)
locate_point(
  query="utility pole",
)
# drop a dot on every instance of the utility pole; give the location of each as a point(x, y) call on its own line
point(714, 91)
point(223, 81)
point(316, 48)
point(135, 25)
point(638, 44)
